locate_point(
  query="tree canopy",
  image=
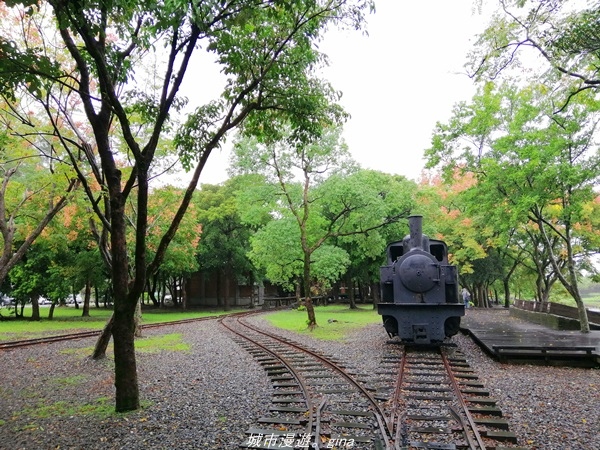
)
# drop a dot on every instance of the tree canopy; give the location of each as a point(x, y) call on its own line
point(532, 166)
point(79, 63)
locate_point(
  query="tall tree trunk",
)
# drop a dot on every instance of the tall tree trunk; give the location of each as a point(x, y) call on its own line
point(126, 382)
point(184, 295)
point(35, 308)
point(86, 299)
point(151, 286)
point(104, 339)
point(569, 282)
point(506, 286)
point(376, 294)
point(108, 297)
point(51, 311)
point(219, 283)
point(137, 321)
point(583, 317)
point(123, 330)
point(310, 309)
point(506, 282)
point(226, 282)
point(351, 295)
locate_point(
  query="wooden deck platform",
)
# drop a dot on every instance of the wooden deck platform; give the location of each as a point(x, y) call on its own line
point(510, 339)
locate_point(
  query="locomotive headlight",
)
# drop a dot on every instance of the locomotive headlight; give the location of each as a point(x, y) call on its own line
point(419, 272)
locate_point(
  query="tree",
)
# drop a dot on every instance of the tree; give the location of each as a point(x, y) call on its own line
point(327, 202)
point(457, 220)
point(180, 258)
point(31, 194)
point(532, 165)
point(266, 50)
point(565, 34)
point(281, 162)
point(225, 238)
point(379, 202)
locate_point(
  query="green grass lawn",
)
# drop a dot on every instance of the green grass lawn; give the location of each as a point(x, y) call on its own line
point(67, 319)
point(592, 301)
point(334, 322)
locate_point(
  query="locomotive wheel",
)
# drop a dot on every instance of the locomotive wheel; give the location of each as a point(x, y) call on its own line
point(391, 325)
point(451, 326)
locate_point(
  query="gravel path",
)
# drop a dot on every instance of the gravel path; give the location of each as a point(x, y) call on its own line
point(207, 396)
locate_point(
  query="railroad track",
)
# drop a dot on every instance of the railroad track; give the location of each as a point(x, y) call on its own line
point(317, 403)
point(433, 399)
point(417, 399)
point(85, 334)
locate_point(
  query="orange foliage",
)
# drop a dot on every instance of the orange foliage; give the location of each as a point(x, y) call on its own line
point(462, 180)
point(453, 214)
point(69, 212)
point(197, 233)
point(429, 179)
point(467, 222)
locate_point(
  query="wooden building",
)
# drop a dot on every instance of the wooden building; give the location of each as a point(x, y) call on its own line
point(209, 290)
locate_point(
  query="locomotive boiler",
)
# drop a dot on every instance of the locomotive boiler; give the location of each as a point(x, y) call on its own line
point(419, 289)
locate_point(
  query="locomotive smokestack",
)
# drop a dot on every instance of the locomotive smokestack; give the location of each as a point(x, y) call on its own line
point(415, 226)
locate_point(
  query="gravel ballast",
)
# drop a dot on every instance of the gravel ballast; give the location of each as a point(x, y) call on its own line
point(206, 397)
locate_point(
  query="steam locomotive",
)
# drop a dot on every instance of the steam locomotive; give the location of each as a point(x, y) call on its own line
point(419, 289)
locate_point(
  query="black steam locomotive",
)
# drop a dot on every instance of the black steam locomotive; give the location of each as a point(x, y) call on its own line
point(419, 289)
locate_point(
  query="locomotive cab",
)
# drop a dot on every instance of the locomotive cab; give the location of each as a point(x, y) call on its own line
point(419, 289)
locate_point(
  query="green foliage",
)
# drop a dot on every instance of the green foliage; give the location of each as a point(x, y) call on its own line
point(325, 211)
point(27, 69)
point(225, 238)
point(198, 132)
point(69, 320)
point(533, 174)
point(378, 204)
point(565, 34)
point(329, 264)
point(172, 342)
point(99, 409)
point(113, 134)
point(276, 249)
point(179, 258)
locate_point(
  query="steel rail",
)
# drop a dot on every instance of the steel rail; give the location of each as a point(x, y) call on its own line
point(379, 413)
point(283, 360)
point(317, 444)
point(47, 339)
point(395, 418)
point(464, 407)
point(85, 334)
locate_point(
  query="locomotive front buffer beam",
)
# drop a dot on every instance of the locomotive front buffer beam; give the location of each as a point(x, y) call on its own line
point(421, 324)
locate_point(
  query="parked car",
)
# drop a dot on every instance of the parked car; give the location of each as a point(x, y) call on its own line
point(44, 301)
point(5, 300)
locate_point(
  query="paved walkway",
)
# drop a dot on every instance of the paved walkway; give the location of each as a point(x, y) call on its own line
point(509, 338)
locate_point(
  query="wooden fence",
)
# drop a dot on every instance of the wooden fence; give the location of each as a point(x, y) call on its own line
point(277, 302)
point(556, 309)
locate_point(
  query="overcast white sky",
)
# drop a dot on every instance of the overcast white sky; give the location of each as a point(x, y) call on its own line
point(397, 82)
